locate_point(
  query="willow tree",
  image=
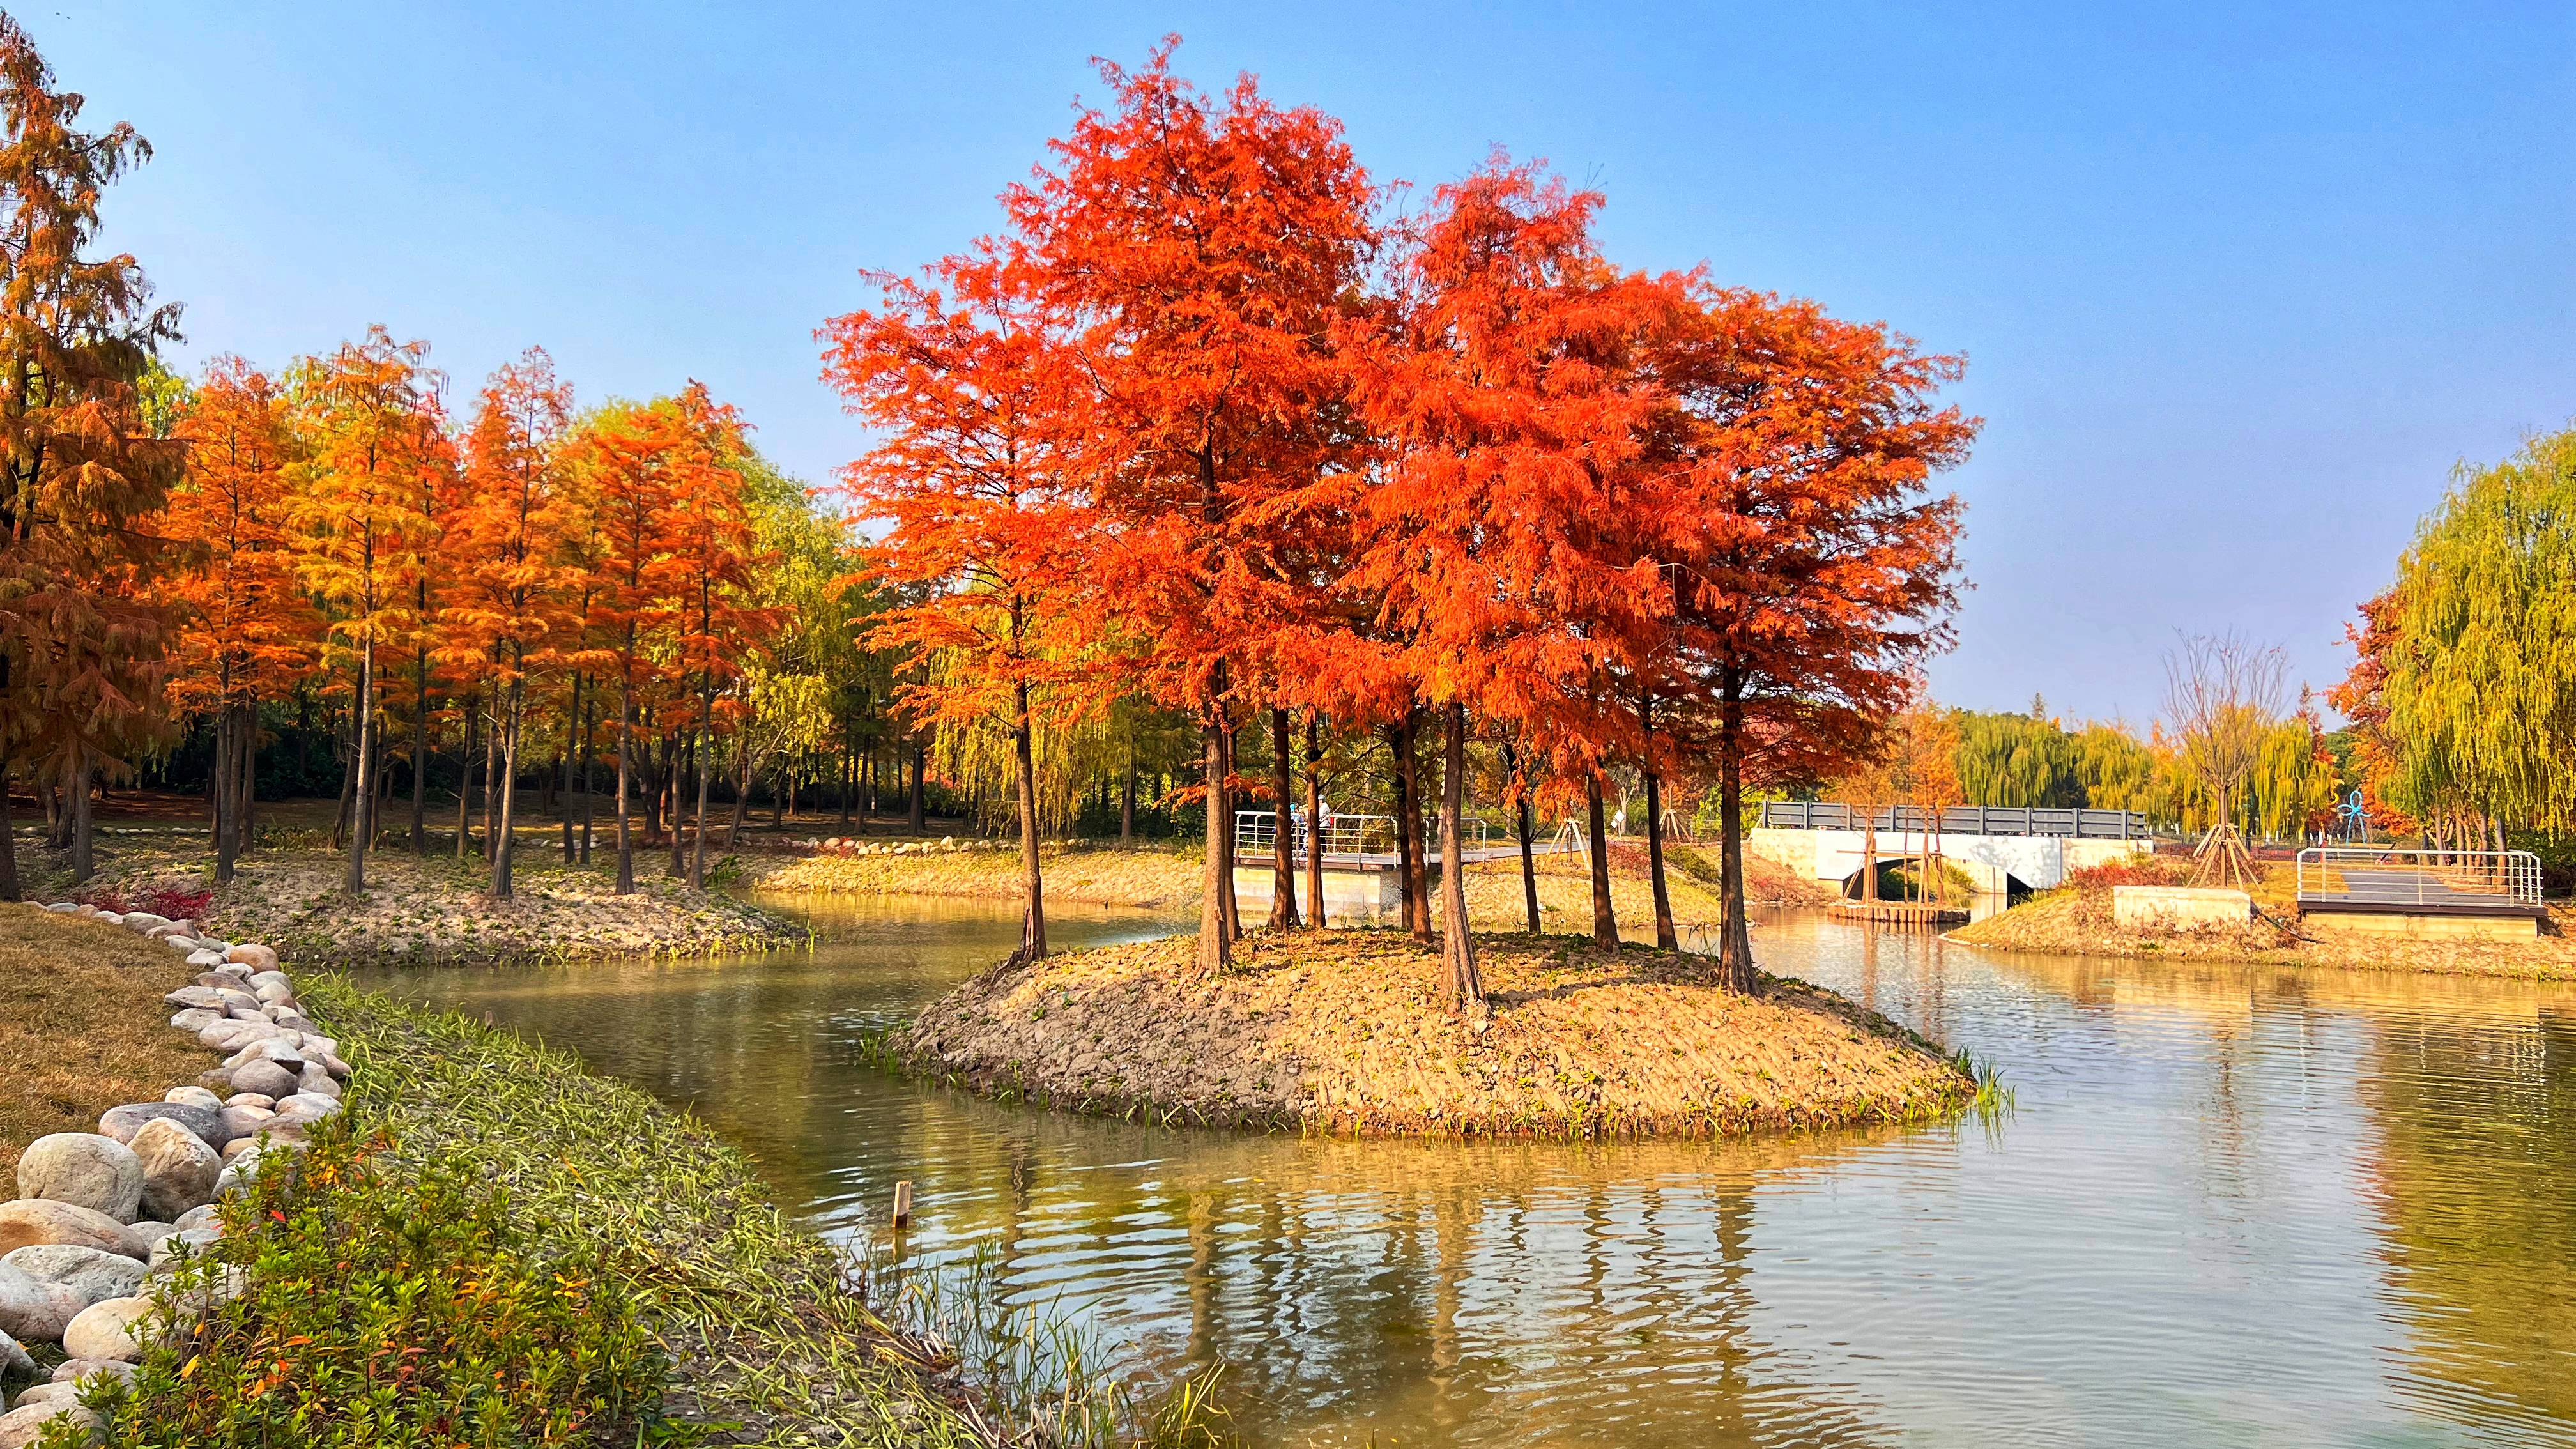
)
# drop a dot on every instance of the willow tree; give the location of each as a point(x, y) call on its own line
point(2475, 656)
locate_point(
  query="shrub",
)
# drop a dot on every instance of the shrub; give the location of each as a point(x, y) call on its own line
point(2135, 870)
point(386, 1308)
point(176, 902)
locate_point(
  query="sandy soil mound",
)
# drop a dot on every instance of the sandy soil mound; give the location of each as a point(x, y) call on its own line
point(1346, 1033)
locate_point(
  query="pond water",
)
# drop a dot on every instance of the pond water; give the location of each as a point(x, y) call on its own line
point(2232, 1206)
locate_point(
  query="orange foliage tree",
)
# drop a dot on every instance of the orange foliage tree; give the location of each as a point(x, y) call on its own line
point(1811, 567)
point(81, 633)
point(374, 414)
point(506, 612)
point(246, 632)
point(985, 509)
point(1197, 251)
point(1510, 421)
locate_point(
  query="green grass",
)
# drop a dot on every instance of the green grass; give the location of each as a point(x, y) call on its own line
point(764, 1325)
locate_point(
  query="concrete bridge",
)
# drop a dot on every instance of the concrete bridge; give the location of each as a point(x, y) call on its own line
point(2015, 850)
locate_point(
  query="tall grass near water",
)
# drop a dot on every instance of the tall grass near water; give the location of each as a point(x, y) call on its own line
point(767, 1328)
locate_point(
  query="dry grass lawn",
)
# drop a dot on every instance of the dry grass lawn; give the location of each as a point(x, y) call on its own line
point(86, 1029)
point(433, 908)
point(1347, 1032)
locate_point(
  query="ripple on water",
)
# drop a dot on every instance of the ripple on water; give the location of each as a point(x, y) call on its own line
point(2233, 1205)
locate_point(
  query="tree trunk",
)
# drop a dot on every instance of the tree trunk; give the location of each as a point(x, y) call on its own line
point(9, 887)
point(1457, 945)
point(219, 786)
point(465, 779)
point(1283, 836)
point(1735, 933)
point(1314, 822)
point(362, 824)
point(1216, 944)
point(625, 767)
point(1529, 863)
point(420, 752)
point(1231, 907)
point(348, 783)
point(491, 802)
point(698, 822)
point(504, 836)
point(589, 761)
point(920, 816)
point(1033, 941)
point(571, 747)
point(1605, 919)
point(743, 766)
point(1417, 869)
point(1127, 799)
point(79, 811)
point(1666, 937)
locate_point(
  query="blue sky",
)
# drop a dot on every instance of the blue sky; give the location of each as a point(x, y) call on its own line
point(2237, 284)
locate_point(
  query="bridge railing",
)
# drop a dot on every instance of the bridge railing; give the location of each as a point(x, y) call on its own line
point(1957, 820)
point(1256, 833)
point(2406, 879)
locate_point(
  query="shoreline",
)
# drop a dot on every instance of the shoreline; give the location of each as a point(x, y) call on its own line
point(1346, 1035)
point(646, 1277)
point(2068, 922)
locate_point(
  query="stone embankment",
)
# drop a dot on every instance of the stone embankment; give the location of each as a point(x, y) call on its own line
point(102, 1218)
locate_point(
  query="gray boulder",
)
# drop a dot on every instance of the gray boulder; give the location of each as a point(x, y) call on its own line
point(179, 1168)
point(36, 1310)
point(242, 1121)
point(78, 1370)
point(266, 1078)
point(195, 1019)
point(86, 1271)
point(14, 1359)
point(123, 1122)
point(199, 1217)
point(145, 920)
point(84, 1169)
point(194, 1097)
point(317, 1081)
point(201, 997)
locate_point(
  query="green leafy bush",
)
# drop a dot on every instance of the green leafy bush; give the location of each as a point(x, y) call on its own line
point(389, 1308)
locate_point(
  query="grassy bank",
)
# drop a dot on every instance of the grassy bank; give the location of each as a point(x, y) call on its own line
point(1164, 877)
point(86, 1029)
point(2076, 920)
point(434, 909)
point(1346, 1033)
point(491, 1245)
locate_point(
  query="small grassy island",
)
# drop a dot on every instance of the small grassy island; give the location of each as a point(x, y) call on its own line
point(1345, 1033)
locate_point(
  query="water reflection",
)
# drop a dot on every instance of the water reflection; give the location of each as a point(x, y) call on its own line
point(2235, 1204)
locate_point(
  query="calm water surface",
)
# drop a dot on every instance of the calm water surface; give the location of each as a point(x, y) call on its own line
point(2233, 1206)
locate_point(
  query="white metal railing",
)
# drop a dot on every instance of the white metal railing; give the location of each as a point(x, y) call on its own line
point(2436, 880)
point(1256, 833)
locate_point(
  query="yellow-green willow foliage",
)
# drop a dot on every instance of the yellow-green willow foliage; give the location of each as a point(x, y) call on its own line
point(2480, 691)
point(2017, 760)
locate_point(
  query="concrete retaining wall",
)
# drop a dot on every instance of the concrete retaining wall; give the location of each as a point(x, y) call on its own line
point(2149, 908)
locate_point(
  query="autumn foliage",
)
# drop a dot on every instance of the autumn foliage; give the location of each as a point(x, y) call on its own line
point(1205, 422)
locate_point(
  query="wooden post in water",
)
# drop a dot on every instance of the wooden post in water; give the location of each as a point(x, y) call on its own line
point(903, 1204)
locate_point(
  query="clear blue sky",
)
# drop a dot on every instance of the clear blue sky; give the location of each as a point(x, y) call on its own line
point(2237, 284)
